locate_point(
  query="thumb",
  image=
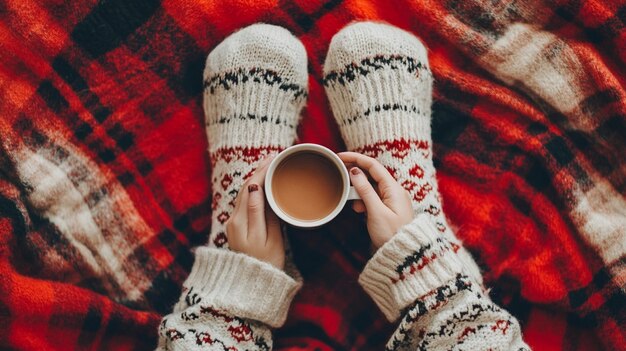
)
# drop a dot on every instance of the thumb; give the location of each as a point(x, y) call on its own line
point(256, 212)
point(365, 189)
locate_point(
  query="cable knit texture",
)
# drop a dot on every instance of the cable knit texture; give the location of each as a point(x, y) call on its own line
point(379, 86)
point(255, 86)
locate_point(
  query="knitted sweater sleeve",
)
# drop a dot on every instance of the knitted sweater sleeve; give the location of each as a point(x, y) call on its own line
point(229, 302)
point(417, 277)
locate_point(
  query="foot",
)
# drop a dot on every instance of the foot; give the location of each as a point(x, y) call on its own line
point(255, 86)
point(379, 85)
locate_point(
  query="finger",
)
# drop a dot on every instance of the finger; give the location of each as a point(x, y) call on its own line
point(376, 170)
point(274, 233)
point(259, 174)
point(262, 167)
point(236, 228)
point(256, 213)
point(365, 190)
point(358, 206)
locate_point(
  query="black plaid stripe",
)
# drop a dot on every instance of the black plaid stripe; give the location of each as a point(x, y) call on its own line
point(608, 31)
point(89, 99)
point(110, 23)
point(172, 55)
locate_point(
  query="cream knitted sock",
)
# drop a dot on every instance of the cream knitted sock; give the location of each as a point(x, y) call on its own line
point(379, 86)
point(255, 85)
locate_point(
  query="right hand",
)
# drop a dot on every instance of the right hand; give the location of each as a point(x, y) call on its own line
point(253, 228)
point(387, 209)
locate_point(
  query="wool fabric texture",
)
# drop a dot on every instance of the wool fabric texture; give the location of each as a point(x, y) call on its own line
point(419, 274)
point(379, 85)
point(255, 85)
point(106, 186)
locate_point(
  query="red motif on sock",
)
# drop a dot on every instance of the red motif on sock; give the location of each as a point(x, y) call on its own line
point(241, 332)
point(455, 247)
point(416, 171)
point(174, 334)
point(249, 174)
point(220, 239)
point(399, 148)
point(408, 185)
point(216, 198)
point(226, 180)
point(466, 332)
point(203, 338)
point(433, 210)
point(223, 217)
point(248, 155)
point(422, 192)
point(215, 313)
point(441, 227)
point(501, 325)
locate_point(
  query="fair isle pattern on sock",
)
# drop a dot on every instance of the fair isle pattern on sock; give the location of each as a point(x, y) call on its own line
point(379, 85)
point(380, 90)
point(255, 86)
point(417, 276)
point(228, 302)
point(442, 310)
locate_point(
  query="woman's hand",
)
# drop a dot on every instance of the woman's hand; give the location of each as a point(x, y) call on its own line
point(388, 208)
point(253, 228)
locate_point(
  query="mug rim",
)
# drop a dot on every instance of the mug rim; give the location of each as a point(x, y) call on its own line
point(324, 151)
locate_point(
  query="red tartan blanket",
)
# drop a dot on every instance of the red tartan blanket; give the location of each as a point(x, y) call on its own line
point(105, 179)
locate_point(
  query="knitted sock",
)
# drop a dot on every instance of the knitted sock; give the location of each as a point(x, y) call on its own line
point(255, 85)
point(379, 86)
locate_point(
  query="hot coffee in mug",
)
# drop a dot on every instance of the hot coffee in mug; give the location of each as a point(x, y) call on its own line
point(307, 185)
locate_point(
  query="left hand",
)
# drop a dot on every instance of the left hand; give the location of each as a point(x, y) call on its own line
point(388, 206)
point(253, 228)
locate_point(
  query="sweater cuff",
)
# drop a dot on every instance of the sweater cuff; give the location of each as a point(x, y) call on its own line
point(242, 285)
point(417, 260)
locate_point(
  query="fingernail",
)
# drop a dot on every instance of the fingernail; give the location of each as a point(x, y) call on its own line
point(252, 188)
point(355, 171)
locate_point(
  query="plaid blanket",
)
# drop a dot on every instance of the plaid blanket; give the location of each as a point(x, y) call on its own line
point(104, 175)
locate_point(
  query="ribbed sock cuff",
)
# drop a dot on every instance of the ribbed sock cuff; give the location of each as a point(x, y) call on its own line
point(413, 263)
point(242, 285)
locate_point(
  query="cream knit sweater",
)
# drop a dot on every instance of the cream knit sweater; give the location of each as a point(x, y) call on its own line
point(379, 85)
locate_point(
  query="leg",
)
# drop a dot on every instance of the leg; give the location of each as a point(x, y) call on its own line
point(255, 85)
point(379, 85)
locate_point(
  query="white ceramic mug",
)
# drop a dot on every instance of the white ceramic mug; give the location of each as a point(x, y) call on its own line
point(348, 191)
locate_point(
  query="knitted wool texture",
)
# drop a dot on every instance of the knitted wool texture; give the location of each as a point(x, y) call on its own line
point(379, 86)
point(380, 89)
point(421, 274)
point(255, 85)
